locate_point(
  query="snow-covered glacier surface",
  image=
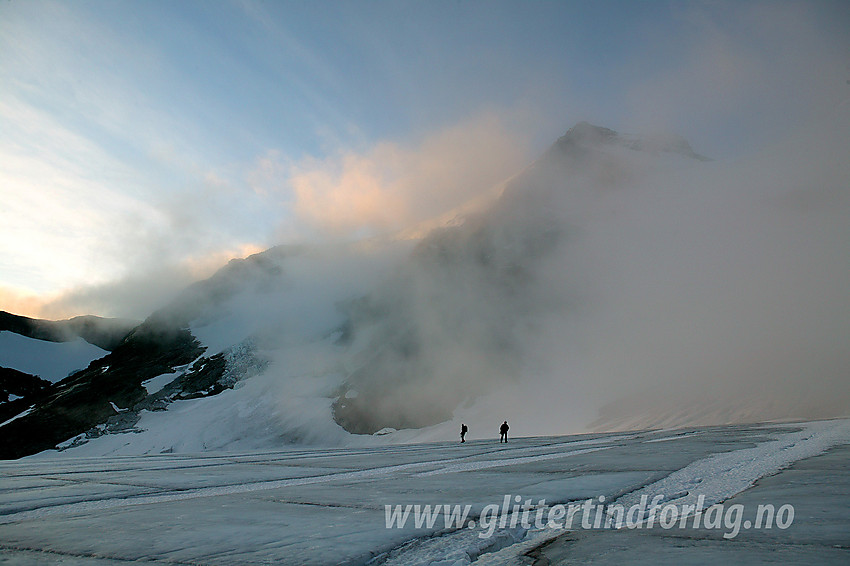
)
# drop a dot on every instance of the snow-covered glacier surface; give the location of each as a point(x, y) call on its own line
point(314, 505)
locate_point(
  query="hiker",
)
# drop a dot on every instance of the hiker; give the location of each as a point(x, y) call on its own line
point(504, 432)
point(463, 430)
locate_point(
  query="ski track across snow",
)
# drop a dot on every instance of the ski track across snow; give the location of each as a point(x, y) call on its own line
point(159, 496)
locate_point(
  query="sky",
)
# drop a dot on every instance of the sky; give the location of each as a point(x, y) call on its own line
point(144, 144)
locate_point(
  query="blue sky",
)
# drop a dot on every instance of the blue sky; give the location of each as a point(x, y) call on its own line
point(145, 143)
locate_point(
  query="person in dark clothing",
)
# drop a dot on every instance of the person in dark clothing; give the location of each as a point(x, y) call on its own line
point(503, 430)
point(463, 430)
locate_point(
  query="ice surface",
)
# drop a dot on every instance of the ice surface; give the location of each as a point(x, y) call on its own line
point(52, 361)
point(325, 505)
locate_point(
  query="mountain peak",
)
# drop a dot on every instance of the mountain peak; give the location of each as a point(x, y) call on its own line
point(585, 134)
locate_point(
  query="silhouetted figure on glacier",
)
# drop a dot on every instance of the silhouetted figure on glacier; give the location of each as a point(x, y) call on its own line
point(463, 431)
point(503, 430)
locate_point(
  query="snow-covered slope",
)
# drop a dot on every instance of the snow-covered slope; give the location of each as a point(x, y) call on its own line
point(265, 360)
point(52, 361)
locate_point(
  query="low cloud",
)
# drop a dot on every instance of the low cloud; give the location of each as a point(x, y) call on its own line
point(393, 186)
point(20, 301)
point(117, 250)
point(135, 296)
point(738, 76)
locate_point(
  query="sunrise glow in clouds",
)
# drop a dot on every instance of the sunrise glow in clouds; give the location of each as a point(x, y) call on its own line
point(143, 144)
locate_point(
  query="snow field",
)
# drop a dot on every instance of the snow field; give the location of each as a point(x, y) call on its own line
point(311, 505)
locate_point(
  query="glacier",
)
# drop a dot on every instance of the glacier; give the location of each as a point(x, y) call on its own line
point(312, 505)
